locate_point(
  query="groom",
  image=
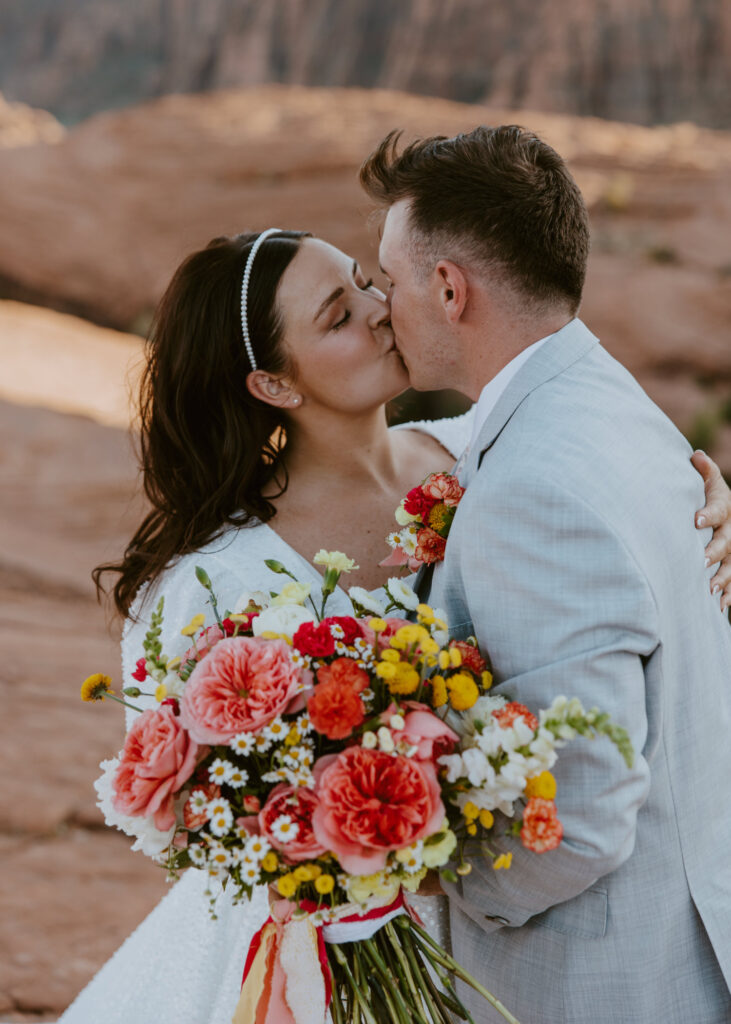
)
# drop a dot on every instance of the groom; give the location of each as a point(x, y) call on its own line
point(576, 581)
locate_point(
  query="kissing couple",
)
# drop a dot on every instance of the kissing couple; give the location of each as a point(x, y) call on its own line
point(576, 557)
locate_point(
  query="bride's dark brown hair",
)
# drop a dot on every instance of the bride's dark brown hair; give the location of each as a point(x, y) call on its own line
point(208, 449)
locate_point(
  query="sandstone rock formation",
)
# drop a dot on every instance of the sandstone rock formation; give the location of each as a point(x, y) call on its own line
point(636, 61)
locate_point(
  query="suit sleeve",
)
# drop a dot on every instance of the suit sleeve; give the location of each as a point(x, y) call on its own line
point(562, 608)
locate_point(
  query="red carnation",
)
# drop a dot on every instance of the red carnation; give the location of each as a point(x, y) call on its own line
point(471, 657)
point(351, 627)
point(140, 673)
point(417, 503)
point(541, 829)
point(315, 640)
point(506, 716)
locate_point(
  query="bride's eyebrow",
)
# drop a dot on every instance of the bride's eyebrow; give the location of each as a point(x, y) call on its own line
point(333, 296)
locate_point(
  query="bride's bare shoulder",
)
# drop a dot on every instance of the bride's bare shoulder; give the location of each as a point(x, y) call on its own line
point(449, 435)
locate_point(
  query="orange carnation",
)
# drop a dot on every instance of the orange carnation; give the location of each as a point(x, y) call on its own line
point(541, 829)
point(506, 715)
point(335, 709)
point(346, 672)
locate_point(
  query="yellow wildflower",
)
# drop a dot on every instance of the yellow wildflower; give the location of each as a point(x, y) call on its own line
point(463, 691)
point(161, 692)
point(472, 828)
point(428, 646)
point(425, 614)
point(194, 625)
point(471, 811)
point(443, 660)
point(270, 862)
point(543, 785)
point(286, 886)
point(302, 873)
point(293, 737)
point(455, 657)
point(405, 679)
point(486, 680)
point(503, 861)
point(385, 670)
point(324, 884)
point(95, 687)
point(377, 625)
point(438, 691)
point(409, 635)
point(487, 819)
point(391, 655)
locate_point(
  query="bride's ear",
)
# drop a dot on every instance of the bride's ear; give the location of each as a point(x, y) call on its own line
point(452, 288)
point(274, 391)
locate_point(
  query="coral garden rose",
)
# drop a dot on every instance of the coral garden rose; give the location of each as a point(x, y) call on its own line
point(299, 804)
point(429, 546)
point(370, 803)
point(240, 687)
point(541, 829)
point(158, 757)
point(423, 730)
point(505, 716)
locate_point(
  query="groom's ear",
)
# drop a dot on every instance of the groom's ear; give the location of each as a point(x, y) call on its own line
point(452, 288)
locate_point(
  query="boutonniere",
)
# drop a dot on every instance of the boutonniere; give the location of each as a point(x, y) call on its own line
point(425, 515)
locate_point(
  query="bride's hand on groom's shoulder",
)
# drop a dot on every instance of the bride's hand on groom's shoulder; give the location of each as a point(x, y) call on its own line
point(716, 513)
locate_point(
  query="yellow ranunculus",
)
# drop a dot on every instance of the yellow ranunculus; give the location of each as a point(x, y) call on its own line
point(194, 625)
point(390, 655)
point(435, 855)
point(543, 785)
point(324, 884)
point(286, 886)
point(463, 691)
point(292, 593)
point(377, 625)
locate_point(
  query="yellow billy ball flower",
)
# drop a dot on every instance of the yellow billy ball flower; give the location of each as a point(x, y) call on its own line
point(486, 819)
point(503, 861)
point(95, 687)
point(486, 680)
point(429, 646)
point(385, 670)
point(543, 785)
point(405, 679)
point(315, 870)
point(411, 634)
point(270, 862)
point(194, 625)
point(377, 625)
point(443, 660)
point(391, 655)
point(286, 886)
point(455, 657)
point(471, 811)
point(472, 829)
point(463, 691)
point(324, 884)
point(425, 614)
point(438, 692)
point(302, 874)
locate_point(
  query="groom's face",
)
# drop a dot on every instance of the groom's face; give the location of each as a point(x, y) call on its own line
point(415, 314)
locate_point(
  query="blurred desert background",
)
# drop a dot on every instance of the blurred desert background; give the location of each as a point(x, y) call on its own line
point(130, 134)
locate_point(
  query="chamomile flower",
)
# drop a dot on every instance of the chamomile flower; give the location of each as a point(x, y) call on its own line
point(262, 743)
point(237, 777)
point(250, 874)
point(337, 631)
point(257, 848)
point(284, 828)
point(276, 730)
point(277, 775)
point(218, 856)
point(304, 725)
point(243, 743)
point(221, 816)
point(197, 854)
point(410, 857)
point(219, 770)
point(198, 801)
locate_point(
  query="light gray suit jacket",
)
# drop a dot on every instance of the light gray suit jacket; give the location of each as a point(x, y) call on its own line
point(574, 559)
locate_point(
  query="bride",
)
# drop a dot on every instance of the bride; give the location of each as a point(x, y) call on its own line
point(270, 361)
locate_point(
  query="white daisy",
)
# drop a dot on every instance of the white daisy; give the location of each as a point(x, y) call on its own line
point(218, 856)
point(242, 743)
point(362, 597)
point(277, 775)
point(257, 848)
point(284, 828)
point(304, 725)
point(197, 854)
point(262, 743)
point(221, 818)
point(250, 875)
point(198, 800)
point(337, 631)
point(402, 594)
point(276, 730)
point(237, 777)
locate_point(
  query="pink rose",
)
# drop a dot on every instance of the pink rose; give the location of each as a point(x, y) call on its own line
point(299, 804)
point(443, 487)
point(371, 803)
point(240, 686)
point(157, 760)
point(423, 730)
point(203, 644)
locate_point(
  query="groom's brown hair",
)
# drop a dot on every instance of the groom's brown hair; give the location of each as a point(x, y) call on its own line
point(500, 196)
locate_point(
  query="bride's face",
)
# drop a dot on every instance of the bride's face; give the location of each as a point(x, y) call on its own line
point(337, 330)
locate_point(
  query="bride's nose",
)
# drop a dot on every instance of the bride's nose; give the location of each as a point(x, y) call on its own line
point(380, 314)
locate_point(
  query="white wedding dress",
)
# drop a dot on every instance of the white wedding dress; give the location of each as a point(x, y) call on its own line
point(179, 966)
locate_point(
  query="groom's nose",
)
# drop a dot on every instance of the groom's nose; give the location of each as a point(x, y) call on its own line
point(381, 312)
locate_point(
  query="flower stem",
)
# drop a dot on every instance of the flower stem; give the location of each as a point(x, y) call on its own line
point(398, 1007)
point(124, 703)
point(359, 996)
point(397, 948)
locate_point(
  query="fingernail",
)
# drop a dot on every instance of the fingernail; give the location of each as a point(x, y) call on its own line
point(708, 562)
point(701, 520)
point(699, 451)
point(716, 590)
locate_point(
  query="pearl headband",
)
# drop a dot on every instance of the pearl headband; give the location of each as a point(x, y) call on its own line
point(245, 291)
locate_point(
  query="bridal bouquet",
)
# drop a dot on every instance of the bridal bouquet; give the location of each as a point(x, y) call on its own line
point(335, 759)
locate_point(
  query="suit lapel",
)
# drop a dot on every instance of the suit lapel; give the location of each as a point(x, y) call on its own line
point(558, 353)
